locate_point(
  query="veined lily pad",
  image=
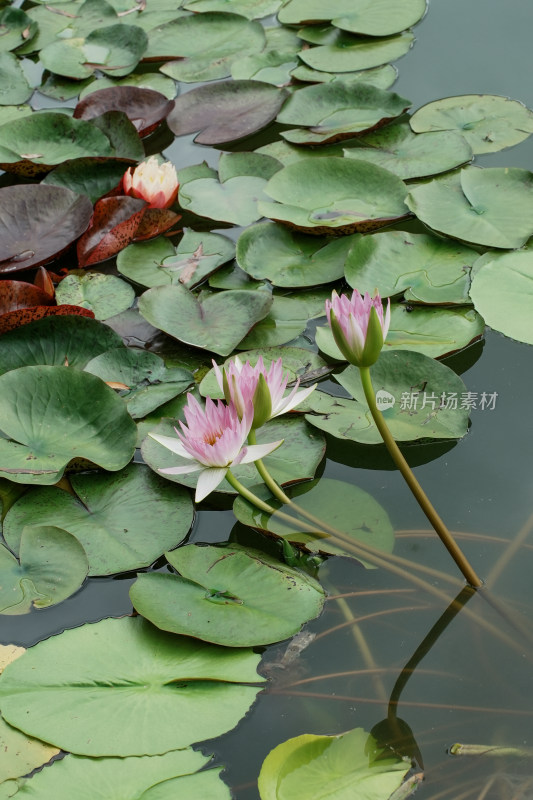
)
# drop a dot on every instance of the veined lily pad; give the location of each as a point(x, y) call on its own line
point(84, 176)
point(225, 111)
point(348, 53)
point(196, 257)
point(37, 223)
point(491, 207)
point(16, 28)
point(365, 17)
point(123, 521)
point(61, 689)
point(291, 259)
point(487, 122)
point(14, 87)
point(426, 269)
point(229, 596)
point(409, 155)
point(114, 223)
point(338, 111)
point(287, 319)
point(144, 107)
point(12, 320)
point(215, 321)
point(149, 80)
point(251, 9)
point(420, 399)
point(381, 77)
point(52, 565)
point(287, 153)
point(51, 415)
point(328, 195)
point(271, 66)
point(105, 295)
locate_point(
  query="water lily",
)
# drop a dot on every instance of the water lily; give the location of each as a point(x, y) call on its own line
point(244, 385)
point(359, 326)
point(214, 440)
point(154, 182)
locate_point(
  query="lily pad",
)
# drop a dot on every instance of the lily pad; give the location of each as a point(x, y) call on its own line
point(409, 155)
point(501, 290)
point(365, 17)
point(338, 111)
point(37, 223)
point(311, 767)
point(229, 596)
point(251, 9)
point(291, 259)
point(287, 319)
point(19, 294)
point(123, 521)
point(83, 176)
point(52, 565)
point(492, 207)
point(104, 295)
point(214, 321)
point(14, 87)
point(51, 415)
point(348, 53)
point(149, 80)
point(271, 66)
point(114, 223)
point(328, 195)
point(347, 508)
point(22, 316)
point(381, 77)
point(488, 122)
point(427, 401)
point(225, 111)
point(144, 107)
point(287, 153)
point(54, 340)
point(424, 268)
point(62, 688)
point(16, 28)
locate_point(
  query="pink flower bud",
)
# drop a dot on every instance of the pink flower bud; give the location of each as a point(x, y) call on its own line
point(359, 326)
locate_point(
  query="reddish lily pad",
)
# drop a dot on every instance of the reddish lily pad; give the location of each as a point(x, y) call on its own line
point(38, 223)
point(15, 319)
point(226, 111)
point(113, 226)
point(144, 107)
point(154, 222)
point(15, 295)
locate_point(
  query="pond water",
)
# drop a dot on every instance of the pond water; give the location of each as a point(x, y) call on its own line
point(473, 683)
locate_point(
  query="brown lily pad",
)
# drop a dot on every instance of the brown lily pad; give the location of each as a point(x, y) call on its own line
point(154, 222)
point(145, 108)
point(15, 295)
point(15, 319)
point(113, 226)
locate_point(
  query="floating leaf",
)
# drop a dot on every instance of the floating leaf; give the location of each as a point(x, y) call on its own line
point(16, 28)
point(37, 223)
point(149, 80)
point(225, 111)
point(487, 122)
point(83, 176)
point(215, 321)
point(311, 767)
point(381, 77)
point(327, 195)
point(492, 207)
point(16, 319)
point(271, 66)
point(62, 688)
point(144, 107)
point(51, 415)
point(348, 53)
point(366, 17)
point(52, 565)
point(19, 294)
point(426, 269)
point(287, 319)
point(114, 223)
point(14, 87)
point(104, 295)
point(123, 521)
point(229, 596)
point(251, 9)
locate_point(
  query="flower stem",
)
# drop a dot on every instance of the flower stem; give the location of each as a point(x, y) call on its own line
point(421, 497)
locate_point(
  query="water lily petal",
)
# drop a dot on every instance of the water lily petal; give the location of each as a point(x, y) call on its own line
point(254, 452)
point(208, 480)
point(180, 470)
point(171, 443)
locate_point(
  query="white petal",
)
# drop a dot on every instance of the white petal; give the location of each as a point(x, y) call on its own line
point(171, 443)
point(181, 470)
point(256, 451)
point(208, 481)
point(297, 398)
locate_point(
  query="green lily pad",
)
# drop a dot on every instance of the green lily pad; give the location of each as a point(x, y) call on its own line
point(328, 195)
point(233, 277)
point(215, 321)
point(16, 28)
point(291, 259)
point(311, 767)
point(345, 507)
point(492, 207)
point(365, 17)
point(348, 53)
point(141, 261)
point(154, 81)
point(51, 415)
point(54, 340)
point(251, 9)
point(234, 194)
point(488, 122)
point(296, 460)
point(338, 111)
point(287, 319)
point(105, 295)
point(123, 521)
point(427, 401)
point(14, 87)
point(49, 25)
point(232, 596)
point(426, 269)
point(83, 176)
point(205, 45)
point(113, 49)
point(52, 565)
point(9, 113)
point(20, 755)
point(381, 77)
point(502, 286)
point(409, 155)
point(287, 153)
point(178, 690)
point(271, 66)
point(435, 332)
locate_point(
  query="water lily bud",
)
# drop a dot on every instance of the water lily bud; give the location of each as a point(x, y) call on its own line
point(359, 326)
point(154, 182)
point(262, 402)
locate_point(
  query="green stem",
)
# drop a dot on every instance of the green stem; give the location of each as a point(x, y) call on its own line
point(421, 497)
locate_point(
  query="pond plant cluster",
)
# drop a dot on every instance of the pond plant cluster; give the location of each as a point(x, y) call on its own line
point(143, 355)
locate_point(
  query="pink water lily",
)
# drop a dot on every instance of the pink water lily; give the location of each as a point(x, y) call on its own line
point(359, 326)
point(214, 440)
point(264, 389)
point(154, 182)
